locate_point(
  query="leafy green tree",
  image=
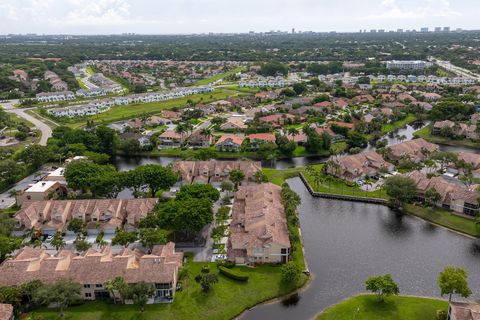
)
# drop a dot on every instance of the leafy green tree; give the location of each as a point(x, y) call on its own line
point(61, 293)
point(10, 172)
point(261, 177)
point(267, 151)
point(314, 142)
point(444, 157)
point(140, 293)
point(432, 197)
point(76, 225)
point(157, 177)
point(291, 272)
point(188, 215)
point(382, 286)
point(273, 68)
point(96, 157)
point(101, 180)
point(236, 176)
point(29, 289)
point(299, 88)
point(453, 280)
point(11, 295)
point(108, 140)
point(227, 186)
point(205, 154)
point(207, 280)
point(400, 190)
point(133, 179)
point(34, 156)
point(8, 244)
point(285, 146)
point(124, 238)
point(356, 140)
point(198, 191)
point(115, 285)
point(150, 237)
point(82, 245)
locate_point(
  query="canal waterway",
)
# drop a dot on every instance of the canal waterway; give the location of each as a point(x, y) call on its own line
point(346, 242)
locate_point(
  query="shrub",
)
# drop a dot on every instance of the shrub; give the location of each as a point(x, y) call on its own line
point(205, 269)
point(290, 272)
point(226, 200)
point(226, 263)
point(229, 273)
point(441, 315)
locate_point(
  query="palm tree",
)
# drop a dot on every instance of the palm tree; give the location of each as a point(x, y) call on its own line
point(317, 178)
point(293, 132)
point(206, 132)
point(117, 284)
point(180, 129)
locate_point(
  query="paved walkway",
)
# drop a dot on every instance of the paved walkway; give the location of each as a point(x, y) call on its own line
point(205, 253)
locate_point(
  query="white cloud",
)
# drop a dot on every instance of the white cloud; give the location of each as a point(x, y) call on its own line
point(187, 16)
point(393, 9)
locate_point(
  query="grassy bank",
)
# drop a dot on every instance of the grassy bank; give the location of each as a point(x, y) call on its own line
point(445, 218)
point(398, 124)
point(366, 307)
point(219, 76)
point(426, 134)
point(227, 299)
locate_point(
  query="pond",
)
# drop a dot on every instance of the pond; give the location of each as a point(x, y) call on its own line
point(346, 242)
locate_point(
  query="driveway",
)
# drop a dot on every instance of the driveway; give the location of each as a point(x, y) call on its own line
point(205, 253)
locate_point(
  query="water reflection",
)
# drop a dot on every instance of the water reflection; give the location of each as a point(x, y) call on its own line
point(394, 225)
point(346, 242)
point(291, 300)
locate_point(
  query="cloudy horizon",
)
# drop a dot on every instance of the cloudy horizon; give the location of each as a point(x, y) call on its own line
point(203, 16)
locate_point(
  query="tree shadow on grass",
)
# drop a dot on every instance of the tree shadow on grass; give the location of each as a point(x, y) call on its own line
point(386, 307)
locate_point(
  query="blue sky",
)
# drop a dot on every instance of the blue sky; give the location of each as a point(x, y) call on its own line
point(196, 16)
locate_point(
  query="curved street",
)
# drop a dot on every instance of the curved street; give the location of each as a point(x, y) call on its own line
point(42, 126)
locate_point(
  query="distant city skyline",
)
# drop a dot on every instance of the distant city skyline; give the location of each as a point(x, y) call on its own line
point(217, 16)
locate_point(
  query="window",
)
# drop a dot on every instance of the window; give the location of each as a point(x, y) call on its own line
point(86, 286)
point(88, 295)
point(98, 285)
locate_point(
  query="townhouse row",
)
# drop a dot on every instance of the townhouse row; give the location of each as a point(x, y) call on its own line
point(99, 106)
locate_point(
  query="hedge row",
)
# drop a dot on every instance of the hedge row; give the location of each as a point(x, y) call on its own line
point(232, 274)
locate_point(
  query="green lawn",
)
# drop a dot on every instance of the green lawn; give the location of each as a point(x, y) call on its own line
point(219, 76)
point(398, 124)
point(336, 186)
point(445, 218)
point(90, 70)
point(227, 299)
point(279, 176)
point(426, 134)
point(338, 147)
point(81, 84)
point(119, 113)
point(366, 307)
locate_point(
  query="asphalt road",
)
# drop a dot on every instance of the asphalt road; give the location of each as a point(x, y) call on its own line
point(43, 127)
